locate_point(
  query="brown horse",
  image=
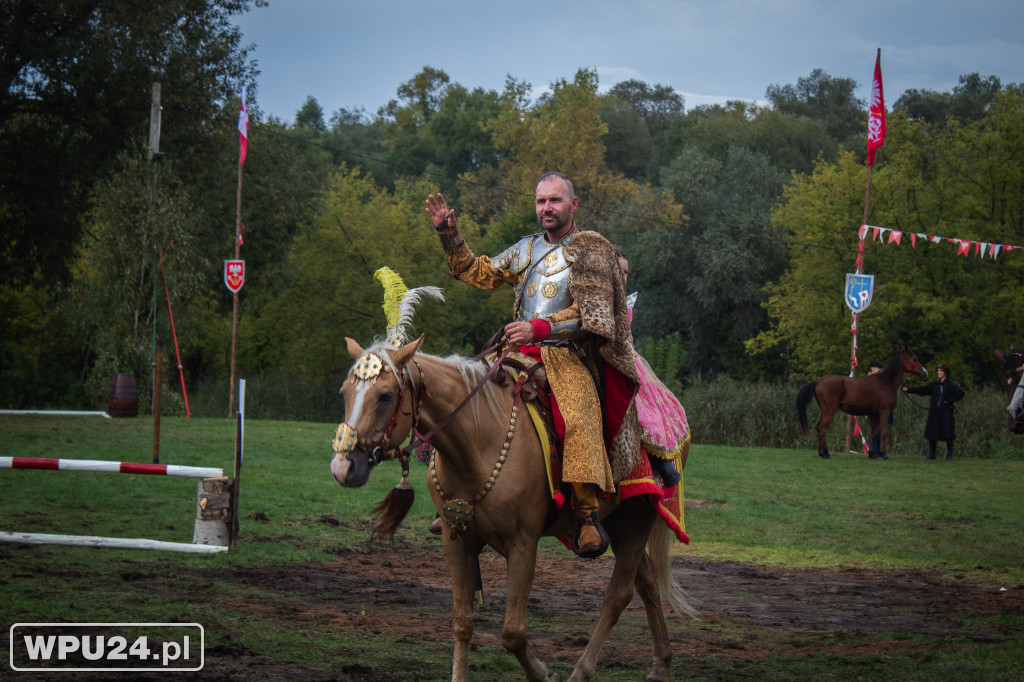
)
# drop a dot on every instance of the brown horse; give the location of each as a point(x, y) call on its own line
point(492, 478)
point(873, 395)
point(1012, 380)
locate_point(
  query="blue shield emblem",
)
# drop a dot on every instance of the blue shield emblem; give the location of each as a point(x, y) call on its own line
point(859, 290)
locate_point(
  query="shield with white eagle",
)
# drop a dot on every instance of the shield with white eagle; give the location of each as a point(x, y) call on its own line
point(234, 274)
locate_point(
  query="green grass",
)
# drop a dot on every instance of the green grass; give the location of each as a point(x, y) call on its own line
point(792, 508)
point(770, 506)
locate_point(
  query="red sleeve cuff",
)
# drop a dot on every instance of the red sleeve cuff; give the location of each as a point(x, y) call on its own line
point(541, 330)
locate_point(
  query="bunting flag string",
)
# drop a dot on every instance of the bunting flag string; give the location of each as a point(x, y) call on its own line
point(963, 246)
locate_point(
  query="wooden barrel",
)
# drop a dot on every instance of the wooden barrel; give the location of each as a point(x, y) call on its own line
point(123, 397)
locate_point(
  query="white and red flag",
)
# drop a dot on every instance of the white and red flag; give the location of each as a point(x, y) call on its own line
point(243, 130)
point(876, 114)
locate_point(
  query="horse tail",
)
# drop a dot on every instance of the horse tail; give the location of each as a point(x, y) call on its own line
point(657, 550)
point(802, 398)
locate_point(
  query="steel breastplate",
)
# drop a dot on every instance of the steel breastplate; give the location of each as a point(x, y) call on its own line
point(545, 290)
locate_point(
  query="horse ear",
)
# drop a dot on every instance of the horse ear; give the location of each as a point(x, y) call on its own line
point(405, 353)
point(354, 349)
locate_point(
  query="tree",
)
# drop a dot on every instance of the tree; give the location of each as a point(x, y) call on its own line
point(824, 98)
point(712, 288)
point(311, 116)
point(422, 94)
point(75, 81)
point(791, 142)
point(628, 145)
point(139, 238)
point(331, 292)
point(963, 181)
point(657, 105)
point(969, 101)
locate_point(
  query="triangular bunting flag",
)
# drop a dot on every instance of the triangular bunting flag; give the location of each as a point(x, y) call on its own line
point(895, 237)
point(874, 234)
point(913, 239)
point(964, 248)
point(863, 232)
point(994, 251)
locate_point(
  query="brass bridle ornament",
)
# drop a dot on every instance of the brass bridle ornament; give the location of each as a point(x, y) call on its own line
point(364, 373)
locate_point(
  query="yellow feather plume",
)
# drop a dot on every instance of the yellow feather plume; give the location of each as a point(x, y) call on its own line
point(394, 292)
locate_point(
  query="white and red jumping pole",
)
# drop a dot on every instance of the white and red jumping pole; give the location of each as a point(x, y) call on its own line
point(104, 466)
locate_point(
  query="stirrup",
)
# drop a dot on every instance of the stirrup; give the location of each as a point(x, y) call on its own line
point(577, 525)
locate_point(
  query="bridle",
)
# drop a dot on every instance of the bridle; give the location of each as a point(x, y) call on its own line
point(911, 364)
point(368, 368)
point(457, 512)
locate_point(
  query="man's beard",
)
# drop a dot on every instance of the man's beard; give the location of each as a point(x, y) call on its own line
point(560, 222)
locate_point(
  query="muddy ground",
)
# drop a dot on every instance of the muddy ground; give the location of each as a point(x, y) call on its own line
point(748, 612)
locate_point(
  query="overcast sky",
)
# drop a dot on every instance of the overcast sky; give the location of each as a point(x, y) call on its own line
point(355, 53)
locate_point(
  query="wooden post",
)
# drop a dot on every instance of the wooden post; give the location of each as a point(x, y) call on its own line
point(214, 513)
point(153, 150)
point(239, 435)
point(156, 399)
point(234, 313)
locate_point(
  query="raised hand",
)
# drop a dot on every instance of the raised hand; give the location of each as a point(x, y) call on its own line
point(440, 215)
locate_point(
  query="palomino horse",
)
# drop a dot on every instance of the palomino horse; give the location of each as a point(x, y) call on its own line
point(492, 478)
point(1012, 381)
point(873, 395)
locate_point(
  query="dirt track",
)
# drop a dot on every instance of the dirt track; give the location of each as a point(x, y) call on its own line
point(748, 612)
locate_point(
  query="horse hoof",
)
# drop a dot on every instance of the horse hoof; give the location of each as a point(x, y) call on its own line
point(823, 455)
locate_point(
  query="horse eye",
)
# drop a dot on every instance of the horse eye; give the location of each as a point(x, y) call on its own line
point(385, 397)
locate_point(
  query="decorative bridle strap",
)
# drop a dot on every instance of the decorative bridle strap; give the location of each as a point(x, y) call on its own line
point(425, 438)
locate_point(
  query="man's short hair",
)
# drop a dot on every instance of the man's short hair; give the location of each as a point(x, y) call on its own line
point(560, 176)
point(876, 363)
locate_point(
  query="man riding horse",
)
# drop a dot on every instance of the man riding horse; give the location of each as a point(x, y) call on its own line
point(569, 313)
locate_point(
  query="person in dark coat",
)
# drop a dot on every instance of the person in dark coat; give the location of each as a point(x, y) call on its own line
point(940, 424)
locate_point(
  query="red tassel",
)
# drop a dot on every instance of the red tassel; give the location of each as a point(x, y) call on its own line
point(559, 500)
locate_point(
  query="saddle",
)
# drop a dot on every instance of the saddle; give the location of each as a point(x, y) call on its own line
point(531, 386)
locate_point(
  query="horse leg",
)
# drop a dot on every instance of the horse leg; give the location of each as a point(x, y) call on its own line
point(462, 562)
point(823, 423)
point(628, 529)
point(521, 561)
point(879, 430)
point(650, 593)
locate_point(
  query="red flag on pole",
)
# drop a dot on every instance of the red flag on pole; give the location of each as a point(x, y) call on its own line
point(243, 130)
point(876, 115)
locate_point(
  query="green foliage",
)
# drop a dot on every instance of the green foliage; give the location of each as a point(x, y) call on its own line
point(727, 411)
point(75, 92)
point(138, 223)
point(960, 182)
point(331, 292)
point(824, 98)
point(666, 357)
point(730, 250)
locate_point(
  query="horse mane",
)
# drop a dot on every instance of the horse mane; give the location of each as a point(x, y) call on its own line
point(891, 370)
point(471, 371)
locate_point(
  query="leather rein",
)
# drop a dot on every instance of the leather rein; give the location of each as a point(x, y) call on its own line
point(421, 443)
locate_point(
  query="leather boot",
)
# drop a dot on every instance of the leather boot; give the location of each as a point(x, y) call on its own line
point(588, 537)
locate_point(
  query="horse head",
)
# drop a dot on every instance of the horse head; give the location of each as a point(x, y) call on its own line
point(376, 388)
point(911, 364)
point(1010, 378)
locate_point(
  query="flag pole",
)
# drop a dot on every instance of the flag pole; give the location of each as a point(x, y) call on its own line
point(876, 136)
point(243, 130)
